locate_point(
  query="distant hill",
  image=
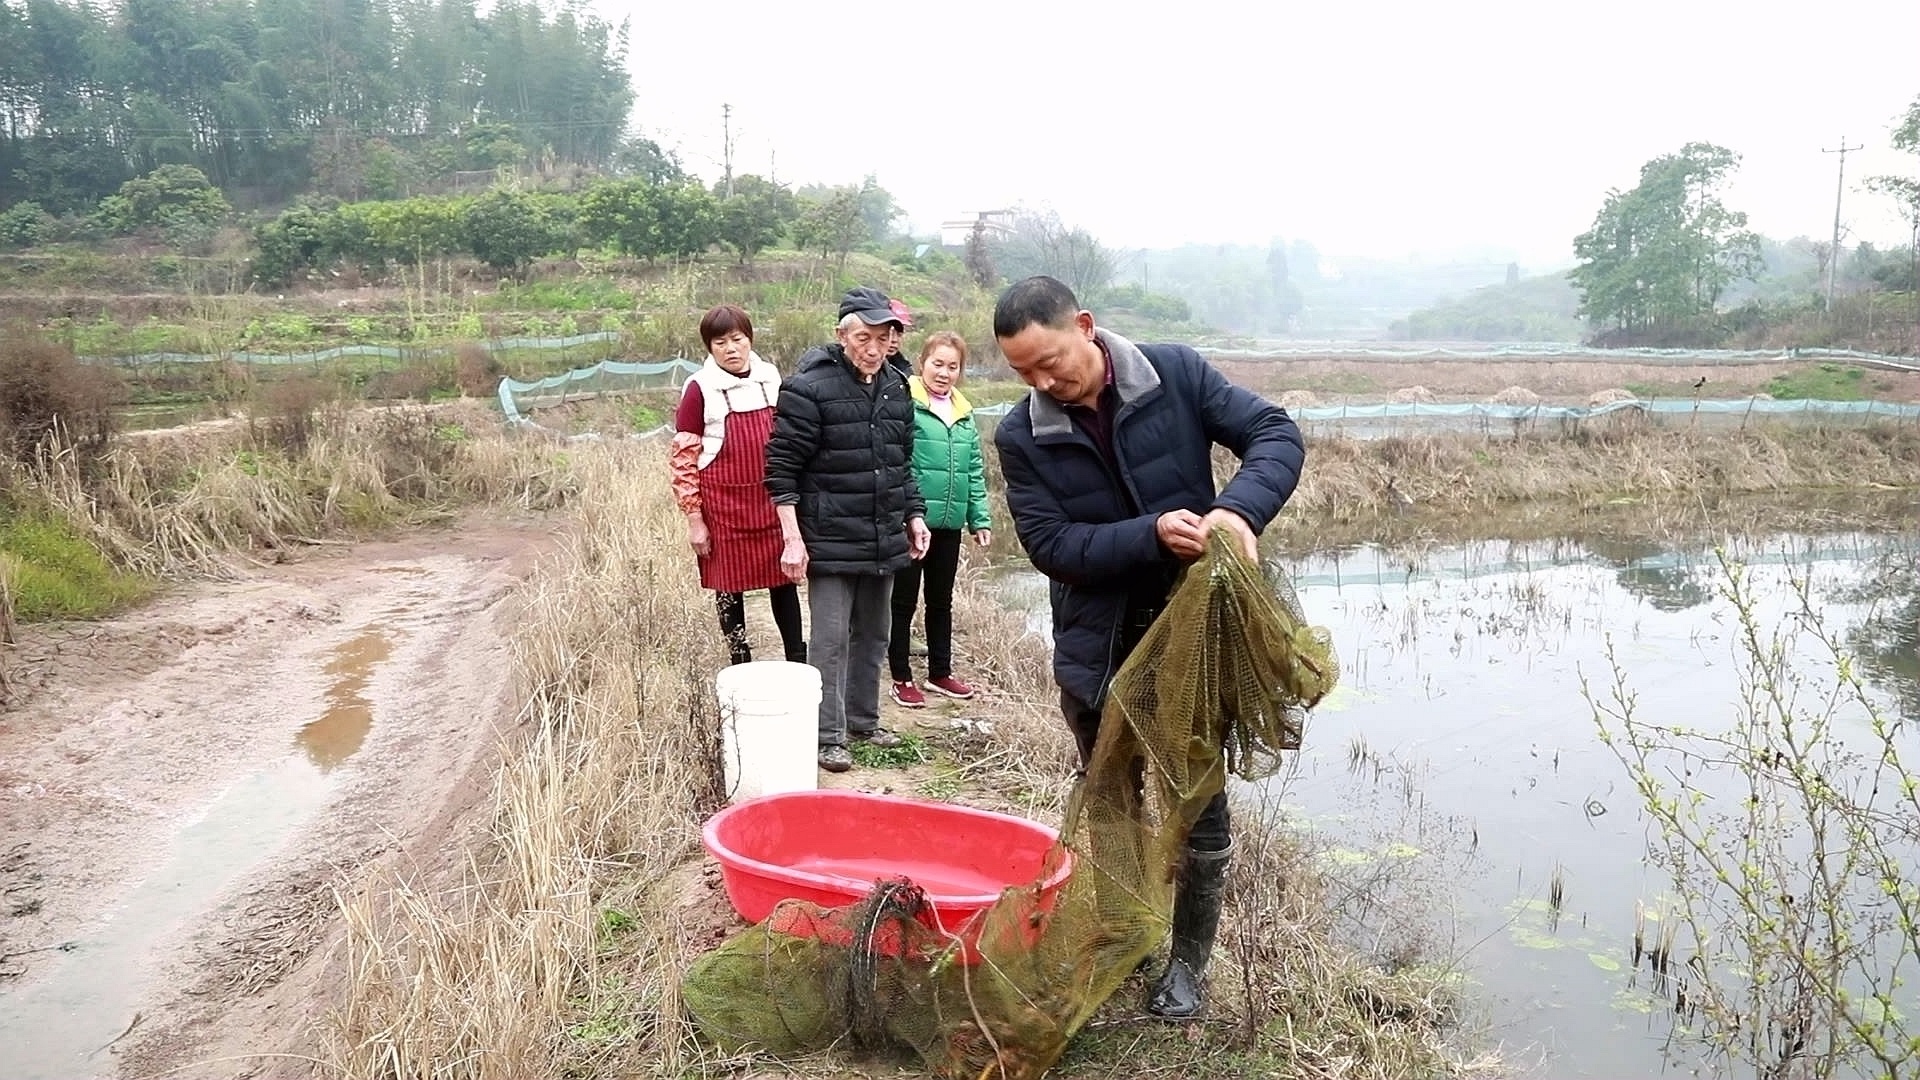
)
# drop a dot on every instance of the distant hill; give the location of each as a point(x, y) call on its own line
point(1541, 308)
point(1292, 290)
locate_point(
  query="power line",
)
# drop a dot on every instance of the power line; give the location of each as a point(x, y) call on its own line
point(726, 142)
point(1833, 256)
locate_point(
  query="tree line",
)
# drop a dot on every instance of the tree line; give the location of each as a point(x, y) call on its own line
point(270, 98)
point(507, 228)
point(1662, 256)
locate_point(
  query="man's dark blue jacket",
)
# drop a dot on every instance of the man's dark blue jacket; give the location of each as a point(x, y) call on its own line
point(1092, 531)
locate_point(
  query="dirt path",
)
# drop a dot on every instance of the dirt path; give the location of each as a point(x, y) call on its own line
point(181, 786)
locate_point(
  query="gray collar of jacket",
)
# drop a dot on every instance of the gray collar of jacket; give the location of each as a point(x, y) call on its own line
point(1133, 378)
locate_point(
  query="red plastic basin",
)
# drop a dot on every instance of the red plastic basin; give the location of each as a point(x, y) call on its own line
point(829, 847)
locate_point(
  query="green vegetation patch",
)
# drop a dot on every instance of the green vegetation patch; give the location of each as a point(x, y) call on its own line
point(581, 294)
point(912, 751)
point(1824, 382)
point(644, 417)
point(56, 574)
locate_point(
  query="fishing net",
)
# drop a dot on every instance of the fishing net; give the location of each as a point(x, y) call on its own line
point(1219, 686)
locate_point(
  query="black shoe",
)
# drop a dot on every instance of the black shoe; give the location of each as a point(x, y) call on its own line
point(880, 737)
point(835, 758)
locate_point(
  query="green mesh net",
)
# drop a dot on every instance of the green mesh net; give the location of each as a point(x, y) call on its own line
point(1219, 686)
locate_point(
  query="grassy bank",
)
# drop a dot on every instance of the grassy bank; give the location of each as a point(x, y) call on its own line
point(48, 570)
point(162, 505)
point(652, 311)
point(168, 506)
point(86, 531)
point(1406, 487)
point(1446, 475)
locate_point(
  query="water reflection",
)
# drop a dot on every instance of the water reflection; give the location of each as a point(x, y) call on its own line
point(1887, 638)
point(1465, 673)
point(1460, 763)
point(339, 732)
point(152, 417)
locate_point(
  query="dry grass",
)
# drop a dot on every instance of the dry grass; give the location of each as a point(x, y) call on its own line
point(1346, 479)
point(1289, 996)
point(6, 624)
point(614, 766)
point(46, 396)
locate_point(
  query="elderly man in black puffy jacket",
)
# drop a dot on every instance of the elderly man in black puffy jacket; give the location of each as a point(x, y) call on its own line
point(1109, 472)
point(839, 467)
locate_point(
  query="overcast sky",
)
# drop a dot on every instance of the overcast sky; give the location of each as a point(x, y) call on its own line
point(1368, 127)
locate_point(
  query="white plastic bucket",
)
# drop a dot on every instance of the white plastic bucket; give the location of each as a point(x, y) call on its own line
point(769, 727)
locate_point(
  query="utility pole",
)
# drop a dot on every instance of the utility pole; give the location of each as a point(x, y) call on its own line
point(726, 143)
point(1840, 186)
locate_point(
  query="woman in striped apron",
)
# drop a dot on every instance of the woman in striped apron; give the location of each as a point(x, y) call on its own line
point(719, 480)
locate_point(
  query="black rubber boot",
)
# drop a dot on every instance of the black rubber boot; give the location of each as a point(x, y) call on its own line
point(797, 654)
point(1180, 993)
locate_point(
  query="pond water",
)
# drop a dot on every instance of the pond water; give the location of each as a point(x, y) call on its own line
point(1459, 781)
point(154, 417)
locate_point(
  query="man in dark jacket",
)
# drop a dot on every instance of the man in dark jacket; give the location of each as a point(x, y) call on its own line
point(839, 468)
point(1108, 464)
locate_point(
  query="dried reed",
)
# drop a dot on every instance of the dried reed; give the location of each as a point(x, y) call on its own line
point(183, 505)
point(1347, 479)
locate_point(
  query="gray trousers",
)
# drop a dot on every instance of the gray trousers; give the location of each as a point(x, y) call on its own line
point(851, 614)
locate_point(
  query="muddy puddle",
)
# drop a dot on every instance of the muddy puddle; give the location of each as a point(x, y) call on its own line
point(153, 417)
point(1460, 787)
point(338, 733)
point(64, 1023)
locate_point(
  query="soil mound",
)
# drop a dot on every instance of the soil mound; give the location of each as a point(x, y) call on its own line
point(1516, 395)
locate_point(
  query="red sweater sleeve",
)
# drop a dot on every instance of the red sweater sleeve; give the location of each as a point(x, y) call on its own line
point(691, 416)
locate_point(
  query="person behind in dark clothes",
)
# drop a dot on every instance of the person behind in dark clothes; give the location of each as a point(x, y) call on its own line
point(718, 469)
point(839, 468)
point(1108, 464)
point(895, 358)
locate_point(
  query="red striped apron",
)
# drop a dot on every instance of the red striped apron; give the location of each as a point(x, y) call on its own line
point(739, 513)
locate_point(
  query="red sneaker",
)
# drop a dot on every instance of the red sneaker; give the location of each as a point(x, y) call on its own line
point(951, 687)
point(907, 694)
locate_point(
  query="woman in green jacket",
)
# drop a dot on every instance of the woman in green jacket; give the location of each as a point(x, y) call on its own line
point(952, 475)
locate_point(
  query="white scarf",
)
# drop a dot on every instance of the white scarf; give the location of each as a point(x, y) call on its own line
point(723, 392)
